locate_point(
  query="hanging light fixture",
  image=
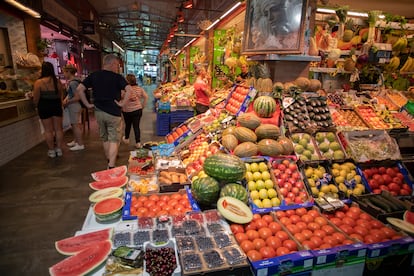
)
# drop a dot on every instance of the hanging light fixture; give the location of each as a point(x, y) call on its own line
point(188, 4)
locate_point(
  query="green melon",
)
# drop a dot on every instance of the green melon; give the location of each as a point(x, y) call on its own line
point(229, 141)
point(234, 210)
point(246, 149)
point(270, 147)
point(267, 131)
point(205, 190)
point(234, 190)
point(249, 120)
point(287, 145)
point(228, 130)
point(244, 134)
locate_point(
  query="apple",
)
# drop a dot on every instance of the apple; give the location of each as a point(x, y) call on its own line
point(382, 170)
point(390, 172)
point(373, 184)
point(295, 190)
point(404, 192)
point(284, 191)
point(287, 185)
point(299, 200)
point(291, 195)
point(387, 179)
point(406, 187)
point(299, 185)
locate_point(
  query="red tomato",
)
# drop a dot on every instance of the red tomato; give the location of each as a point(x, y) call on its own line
point(317, 241)
point(376, 224)
point(164, 198)
point(259, 243)
point(352, 215)
point(142, 212)
point(151, 214)
point(291, 245)
point(162, 213)
point(280, 214)
point(336, 221)
point(167, 208)
point(388, 232)
point(289, 213)
point(173, 202)
point(267, 252)
point(236, 228)
point(293, 228)
point(247, 245)
point(256, 217)
point(363, 223)
point(252, 234)
point(240, 237)
point(313, 226)
point(325, 246)
point(265, 232)
point(155, 208)
point(328, 229)
point(176, 196)
point(354, 209)
point(357, 236)
point(301, 211)
point(370, 239)
point(282, 251)
point(365, 217)
point(285, 221)
point(348, 221)
point(149, 203)
point(273, 242)
point(174, 212)
point(295, 219)
point(361, 230)
point(302, 225)
point(136, 204)
point(313, 213)
point(260, 223)
point(378, 234)
point(154, 197)
point(321, 221)
point(339, 214)
point(254, 255)
point(142, 198)
point(330, 240)
point(161, 204)
point(346, 242)
point(300, 237)
point(282, 235)
point(251, 226)
point(347, 229)
point(267, 218)
point(308, 244)
point(274, 226)
point(307, 233)
point(319, 233)
point(339, 237)
point(307, 218)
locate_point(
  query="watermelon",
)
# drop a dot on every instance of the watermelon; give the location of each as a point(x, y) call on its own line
point(205, 190)
point(224, 167)
point(108, 209)
point(110, 173)
point(409, 217)
point(234, 210)
point(105, 193)
point(264, 106)
point(73, 245)
point(234, 190)
point(117, 182)
point(83, 262)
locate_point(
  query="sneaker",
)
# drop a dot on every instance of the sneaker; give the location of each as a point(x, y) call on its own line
point(125, 140)
point(71, 144)
point(138, 145)
point(51, 153)
point(77, 147)
point(58, 152)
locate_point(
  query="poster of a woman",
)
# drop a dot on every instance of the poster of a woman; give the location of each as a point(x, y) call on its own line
point(274, 26)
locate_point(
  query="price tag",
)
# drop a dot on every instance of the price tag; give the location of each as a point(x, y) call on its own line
point(287, 102)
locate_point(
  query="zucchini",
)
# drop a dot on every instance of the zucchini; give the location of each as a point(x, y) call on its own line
point(378, 202)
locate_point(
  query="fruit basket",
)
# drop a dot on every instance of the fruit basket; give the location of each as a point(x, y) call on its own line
point(347, 120)
point(368, 114)
point(347, 178)
point(305, 147)
point(161, 259)
point(397, 98)
point(329, 146)
point(369, 145)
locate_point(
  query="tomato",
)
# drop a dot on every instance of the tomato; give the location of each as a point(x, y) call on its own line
point(319, 233)
point(352, 215)
point(363, 223)
point(285, 221)
point(167, 208)
point(282, 251)
point(321, 221)
point(154, 197)
point(376, 224)
point(354, 209)
point(307, 233)
point(365, 217)
point(256, 217)
point(316, 241)
point(176, 196)
point(328, 229)
point(360, 230)
point(142, 198)
point(348, 221)
point(136, 204)
point(295, 219)
point(260, 223)
point(325, 246)
point(293, 229)
point(291, 245)
point(142, 212)
point(388, 232)
point(370, 239)
point(172, 202)
point(339, 214)
point(151, 214)
point(301, 211)
point(339, 237)
point(267, 252)
point(265, 232)
point(330, 240)
point(313, 213)
point(267, 218)
point(307, 218)
point(252, 234)
point(346, 242)
point(301, 225)
point(247, 245)
point(254, 255)
point(273, 242)
point(251, 226)
point(174, 212)
point(313, 226)
point(164, 198)
point(289, 213)
point(162, 213)
point(133, 212)
point(155, 209)
point(179, 207)
point(236, 228)
point(378, 234)
point(274, 226)
point(308, 244)
point(300, 237)
point(259, 243)
point(149, 203)
point(240, 237)
point(282, 235)
point(357, 237)
point(280, 214)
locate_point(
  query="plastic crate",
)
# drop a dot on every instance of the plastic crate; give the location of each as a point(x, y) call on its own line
point(180, 116)
point(163, 124)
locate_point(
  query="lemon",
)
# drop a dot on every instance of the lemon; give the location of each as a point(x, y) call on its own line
point(258, 203)
point(260, 185)
point(322, 169)
point(271, 193)
point(315, 191)
point(339, 179)
point(321, 194)
point(248, 169)
point(251, 185)
point(311, 182)
point(195, 178)
point(357, 179)
point(342, 187)
point(333, 188)
point(350, 176)
point(336, 166)
point(263, 167)
point(249, 176)
point(263, 193)
point(257, 176)
point(335, 172)
point(325, 189)
point(267, 203)
point(269, 184)
point(309, 172)
point(254, 195)
point(349, 193)
point(319, 174)
point(357, 191)
point(254, 167)
point(361, 187)
point(275, 201)
point(265, 175)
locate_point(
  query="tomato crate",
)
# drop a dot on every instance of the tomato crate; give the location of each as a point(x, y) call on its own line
point(239, 99)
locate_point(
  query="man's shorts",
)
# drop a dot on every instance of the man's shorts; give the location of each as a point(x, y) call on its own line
point(75, 113)
point(109, 126)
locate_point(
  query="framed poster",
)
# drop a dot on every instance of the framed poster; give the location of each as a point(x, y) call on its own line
point(274, 26)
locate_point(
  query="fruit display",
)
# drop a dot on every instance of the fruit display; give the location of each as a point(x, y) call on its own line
point(363, 146)
point(264, 238)
point(262, 190)
point(389, 178)
point(110, 173)
point(296, 116)
point(347, 119)
point(347, 178)
point(290, 182)
point(329, 146)
point(305, 147)
point(320, 181)
point(361, 226)
point(406, 118)
point(108, 210)
point(389, 118)
point(387, 103)
point(237, 97)
point(369, 115)
point(311, 229)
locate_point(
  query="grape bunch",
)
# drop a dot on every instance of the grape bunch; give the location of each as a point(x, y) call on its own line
point(191, 261)
point(213, 259)
point(140, 237)
point(122, 238)
point(160, 261)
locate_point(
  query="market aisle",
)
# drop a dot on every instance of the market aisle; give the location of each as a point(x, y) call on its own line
point(43, 200)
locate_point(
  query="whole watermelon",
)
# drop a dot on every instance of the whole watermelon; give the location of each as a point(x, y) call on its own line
point(205, 190)
point(264, 106)
point(234, 190)
point(224, 167)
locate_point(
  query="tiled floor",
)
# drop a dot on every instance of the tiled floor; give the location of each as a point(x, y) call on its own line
point(43, 200)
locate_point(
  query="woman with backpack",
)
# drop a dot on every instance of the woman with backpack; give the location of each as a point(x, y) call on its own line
point(74, 107)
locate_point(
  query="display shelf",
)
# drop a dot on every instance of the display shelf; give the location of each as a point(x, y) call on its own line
point(276, 57)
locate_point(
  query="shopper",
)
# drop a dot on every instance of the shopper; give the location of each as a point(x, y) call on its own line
point(202, 90)
point(74, 107)
point(106, 85)
point(132, 106)
point(47, 96)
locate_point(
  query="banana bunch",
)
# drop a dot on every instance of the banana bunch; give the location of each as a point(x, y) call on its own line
point(393, 65)
point(408, 65)
point(400, 44)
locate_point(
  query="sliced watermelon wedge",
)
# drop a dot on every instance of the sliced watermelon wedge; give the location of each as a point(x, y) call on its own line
point(84, 261)
point(109, 174)
point(409, 217)
point(73, 245)
point(117, 182)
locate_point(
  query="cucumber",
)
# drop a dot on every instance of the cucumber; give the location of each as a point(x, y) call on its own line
point(378, 202)
point(394, 200)
point(392, 205)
